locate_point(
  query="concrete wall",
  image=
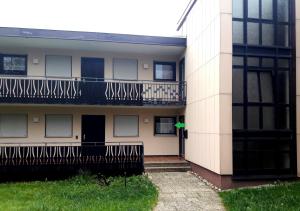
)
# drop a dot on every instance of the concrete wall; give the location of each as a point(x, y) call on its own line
point(209, 78)
point(39, 69)
point(298, 80)
point(154, 144)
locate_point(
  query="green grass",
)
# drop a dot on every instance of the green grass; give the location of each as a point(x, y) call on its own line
point(83, 192)
point(285, 197)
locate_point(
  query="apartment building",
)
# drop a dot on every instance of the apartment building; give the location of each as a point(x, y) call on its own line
point(231, 78)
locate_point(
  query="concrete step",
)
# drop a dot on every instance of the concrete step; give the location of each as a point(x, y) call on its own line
point(168, 169)
point(167, 166)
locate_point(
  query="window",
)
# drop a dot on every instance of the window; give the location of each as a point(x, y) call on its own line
point(267, 9)
point(253, 8)
point(13, 125)
point(238, 32)
point(164, 125)
point(125, 69)
point(59, 66)
point(126, 126)
point(253, 33)
point(13, 64)
point(165, 71)
point(59, 125)
point(237, 10)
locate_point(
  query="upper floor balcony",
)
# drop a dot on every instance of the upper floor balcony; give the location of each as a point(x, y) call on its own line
point(90, 91)
point(88, 68)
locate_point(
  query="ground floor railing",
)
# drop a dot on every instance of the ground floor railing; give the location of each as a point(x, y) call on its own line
point(107, 158)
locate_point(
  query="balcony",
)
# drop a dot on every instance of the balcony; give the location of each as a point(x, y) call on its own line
point(54, 159)
point(90, 91)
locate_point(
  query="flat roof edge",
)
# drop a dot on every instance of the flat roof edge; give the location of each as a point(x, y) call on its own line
point(185, 13)
point(91, 36)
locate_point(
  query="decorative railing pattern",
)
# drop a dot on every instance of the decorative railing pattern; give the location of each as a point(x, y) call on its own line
point(112, 155)
point(88, 91)
point(39, 88)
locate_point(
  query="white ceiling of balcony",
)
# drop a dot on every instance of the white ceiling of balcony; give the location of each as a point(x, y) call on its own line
point(21, 42)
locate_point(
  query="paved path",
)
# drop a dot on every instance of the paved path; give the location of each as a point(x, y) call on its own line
point(185, 192)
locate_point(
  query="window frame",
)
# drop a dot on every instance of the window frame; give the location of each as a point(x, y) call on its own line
point(113, 68)
point(26, 115)
point(71, 66)
point(13, 72)
point(72, 125)
point(164, 134)
point(114, 126)
point(173, 64)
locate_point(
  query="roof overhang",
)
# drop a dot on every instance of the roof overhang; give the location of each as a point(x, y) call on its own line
point(91, 41)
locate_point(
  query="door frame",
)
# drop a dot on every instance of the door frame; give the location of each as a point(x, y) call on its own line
point(82, 126)
point(181, 138)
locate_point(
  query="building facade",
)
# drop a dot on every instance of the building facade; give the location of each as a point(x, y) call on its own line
point(247, 51)
point(231, 79)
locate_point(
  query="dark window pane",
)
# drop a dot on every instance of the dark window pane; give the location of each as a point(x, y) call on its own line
point(7, 63)
point(283, 63)
point(283, 35)
point(283, 86)
point(165, 125)
point(253, 33)
point(283, 116)
point(238, 61)
point(267, 34)
point(14, 63)
point(253, 95)
point(268, 160)
point(237, 117)
point(267, 62)
point(266, 87)
point(284, 161)
point(238, 8)
point(253, 8)
point(253, 160)
point(238, 163)
point(267, 9)
point(283, 10)
point(237, 85)
point(253, 117)
point(237, 32)
point(165, 71)
point(253, 61)
point(238, 145)
point(268, 118)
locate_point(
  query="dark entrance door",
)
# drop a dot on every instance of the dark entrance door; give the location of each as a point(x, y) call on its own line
point(181, 138)
point(93, 134)
point(93, 87)
point(92, 68)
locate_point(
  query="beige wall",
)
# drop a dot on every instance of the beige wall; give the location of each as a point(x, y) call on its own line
point(208, 75)
point(39, 69)
point(154, 144)
point(298, 80)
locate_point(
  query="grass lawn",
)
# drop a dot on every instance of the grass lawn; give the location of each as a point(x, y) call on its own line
point(83, 192)
point(285, 197)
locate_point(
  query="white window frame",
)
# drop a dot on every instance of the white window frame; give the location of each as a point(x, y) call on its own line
point(62, 76)
point(125, 59)
point(115, 122)
point(54, 136)
point(14, 136)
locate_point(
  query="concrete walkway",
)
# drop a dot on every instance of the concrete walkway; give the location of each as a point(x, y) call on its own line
point(183, 191)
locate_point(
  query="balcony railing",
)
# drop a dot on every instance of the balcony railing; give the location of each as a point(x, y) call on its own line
point(90, 91)
point(107, 158)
